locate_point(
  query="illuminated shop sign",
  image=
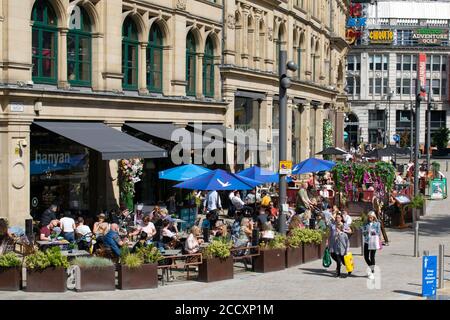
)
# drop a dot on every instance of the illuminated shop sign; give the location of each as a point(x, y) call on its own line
point(381, 36)
point(430, 36)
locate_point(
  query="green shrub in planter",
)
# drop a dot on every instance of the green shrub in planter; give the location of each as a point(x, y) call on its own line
point(9, 260)
point(150, 254)
point(310, 236)
point(10, 272)
point(92, 262)
point(278, 242)
point(46, 271)
point(294, 239)
point(132, 260)
point(218, 249)
point(49, 258)
point(272, 256)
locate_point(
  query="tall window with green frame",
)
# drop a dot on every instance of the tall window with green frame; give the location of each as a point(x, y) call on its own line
point(155, 59)
point(208, 69)
point(44, 43)
point(190, 64)
point(79, 49)
point(130, 46)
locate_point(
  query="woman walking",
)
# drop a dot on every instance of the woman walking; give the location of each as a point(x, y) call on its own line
point(372, 243)
point(341, 245)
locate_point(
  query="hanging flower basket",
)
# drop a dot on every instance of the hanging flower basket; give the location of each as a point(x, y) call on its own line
point(130, 172)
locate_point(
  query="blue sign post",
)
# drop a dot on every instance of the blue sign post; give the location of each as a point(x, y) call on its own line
point(396, 138)
point(429, 275)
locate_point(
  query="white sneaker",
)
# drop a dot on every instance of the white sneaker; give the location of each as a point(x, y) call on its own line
point(371, 276)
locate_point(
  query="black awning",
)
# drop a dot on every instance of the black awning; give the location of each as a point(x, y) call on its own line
point(111, 143)
point(166, 131)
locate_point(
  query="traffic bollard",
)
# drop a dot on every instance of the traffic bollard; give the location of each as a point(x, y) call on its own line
point(441, 266)
point(416, 239)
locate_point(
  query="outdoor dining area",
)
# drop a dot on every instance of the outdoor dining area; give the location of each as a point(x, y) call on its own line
point(228, 223)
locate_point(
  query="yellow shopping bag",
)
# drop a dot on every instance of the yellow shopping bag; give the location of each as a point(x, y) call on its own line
point(348, 260)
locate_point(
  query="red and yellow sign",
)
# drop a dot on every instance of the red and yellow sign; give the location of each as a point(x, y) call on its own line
point(381, 36)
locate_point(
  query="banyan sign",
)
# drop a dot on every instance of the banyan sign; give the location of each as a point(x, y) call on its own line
point(381, 36)
point(430, 36)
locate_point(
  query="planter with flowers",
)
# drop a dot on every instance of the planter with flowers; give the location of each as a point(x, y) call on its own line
point(139, 270)
point(272, 256)
point(294, 249)
point(10, 272)
point(46, 271)
point(95, 274)
point(130, 172)
point(311, 241)
point(217, 262)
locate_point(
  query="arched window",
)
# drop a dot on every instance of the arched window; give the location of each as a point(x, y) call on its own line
point(44, 43)
point(130, 48)
point(208, 69)
point(190, 64)
point(79, 48)
point(155, 59)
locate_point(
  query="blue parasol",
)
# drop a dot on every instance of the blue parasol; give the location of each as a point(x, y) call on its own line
point(259, 174)
point(312, 165)
point(219, 180)
point(183, 173)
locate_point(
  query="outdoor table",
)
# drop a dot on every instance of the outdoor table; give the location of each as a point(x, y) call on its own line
point(45, 243)
point(75, 253)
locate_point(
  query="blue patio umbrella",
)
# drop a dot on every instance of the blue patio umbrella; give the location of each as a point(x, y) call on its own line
point(312, 165)
point(259, 174)
point(219, 180)
point(183, 173)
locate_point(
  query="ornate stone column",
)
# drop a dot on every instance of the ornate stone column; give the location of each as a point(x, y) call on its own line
point(112, 190)
point(62, 59)
point(15, 170)
point(304, 131)
point(319, 130)
point(142, 58)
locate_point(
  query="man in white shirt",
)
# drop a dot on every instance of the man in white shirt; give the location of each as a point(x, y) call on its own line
point(212, 201)
point(68, 227)
point(346, 219)
point(239, 204)
point(212, 205)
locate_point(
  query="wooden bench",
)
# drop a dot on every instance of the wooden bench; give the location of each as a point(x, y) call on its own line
point(249, 253)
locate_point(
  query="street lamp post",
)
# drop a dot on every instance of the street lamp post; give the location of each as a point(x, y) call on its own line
point(416, 148)
point(388, 129)
point(285, 83)
point(428, 144)
point(411, 130)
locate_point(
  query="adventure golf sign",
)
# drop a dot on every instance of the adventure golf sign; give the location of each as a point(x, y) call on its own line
point(430, 36)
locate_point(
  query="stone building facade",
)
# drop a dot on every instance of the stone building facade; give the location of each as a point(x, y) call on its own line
point(67, 65)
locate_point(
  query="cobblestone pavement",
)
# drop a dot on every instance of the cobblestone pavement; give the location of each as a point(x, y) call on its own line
point(400, 274)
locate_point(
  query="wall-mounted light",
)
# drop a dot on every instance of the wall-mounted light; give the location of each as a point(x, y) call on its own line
point(37, 106)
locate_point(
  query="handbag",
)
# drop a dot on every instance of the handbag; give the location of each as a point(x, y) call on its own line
point(326, 259)
point(374, 242)
point(348, 261)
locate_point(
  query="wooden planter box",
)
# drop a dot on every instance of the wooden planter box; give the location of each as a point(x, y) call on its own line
point(97, 279)
point(294, 257)
point(144, 277)
point(270, 260)
point(10, 279)
point(47, 280)
point(322, 247)
point(216, 269)
point(355, 239)
point(310, 252)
